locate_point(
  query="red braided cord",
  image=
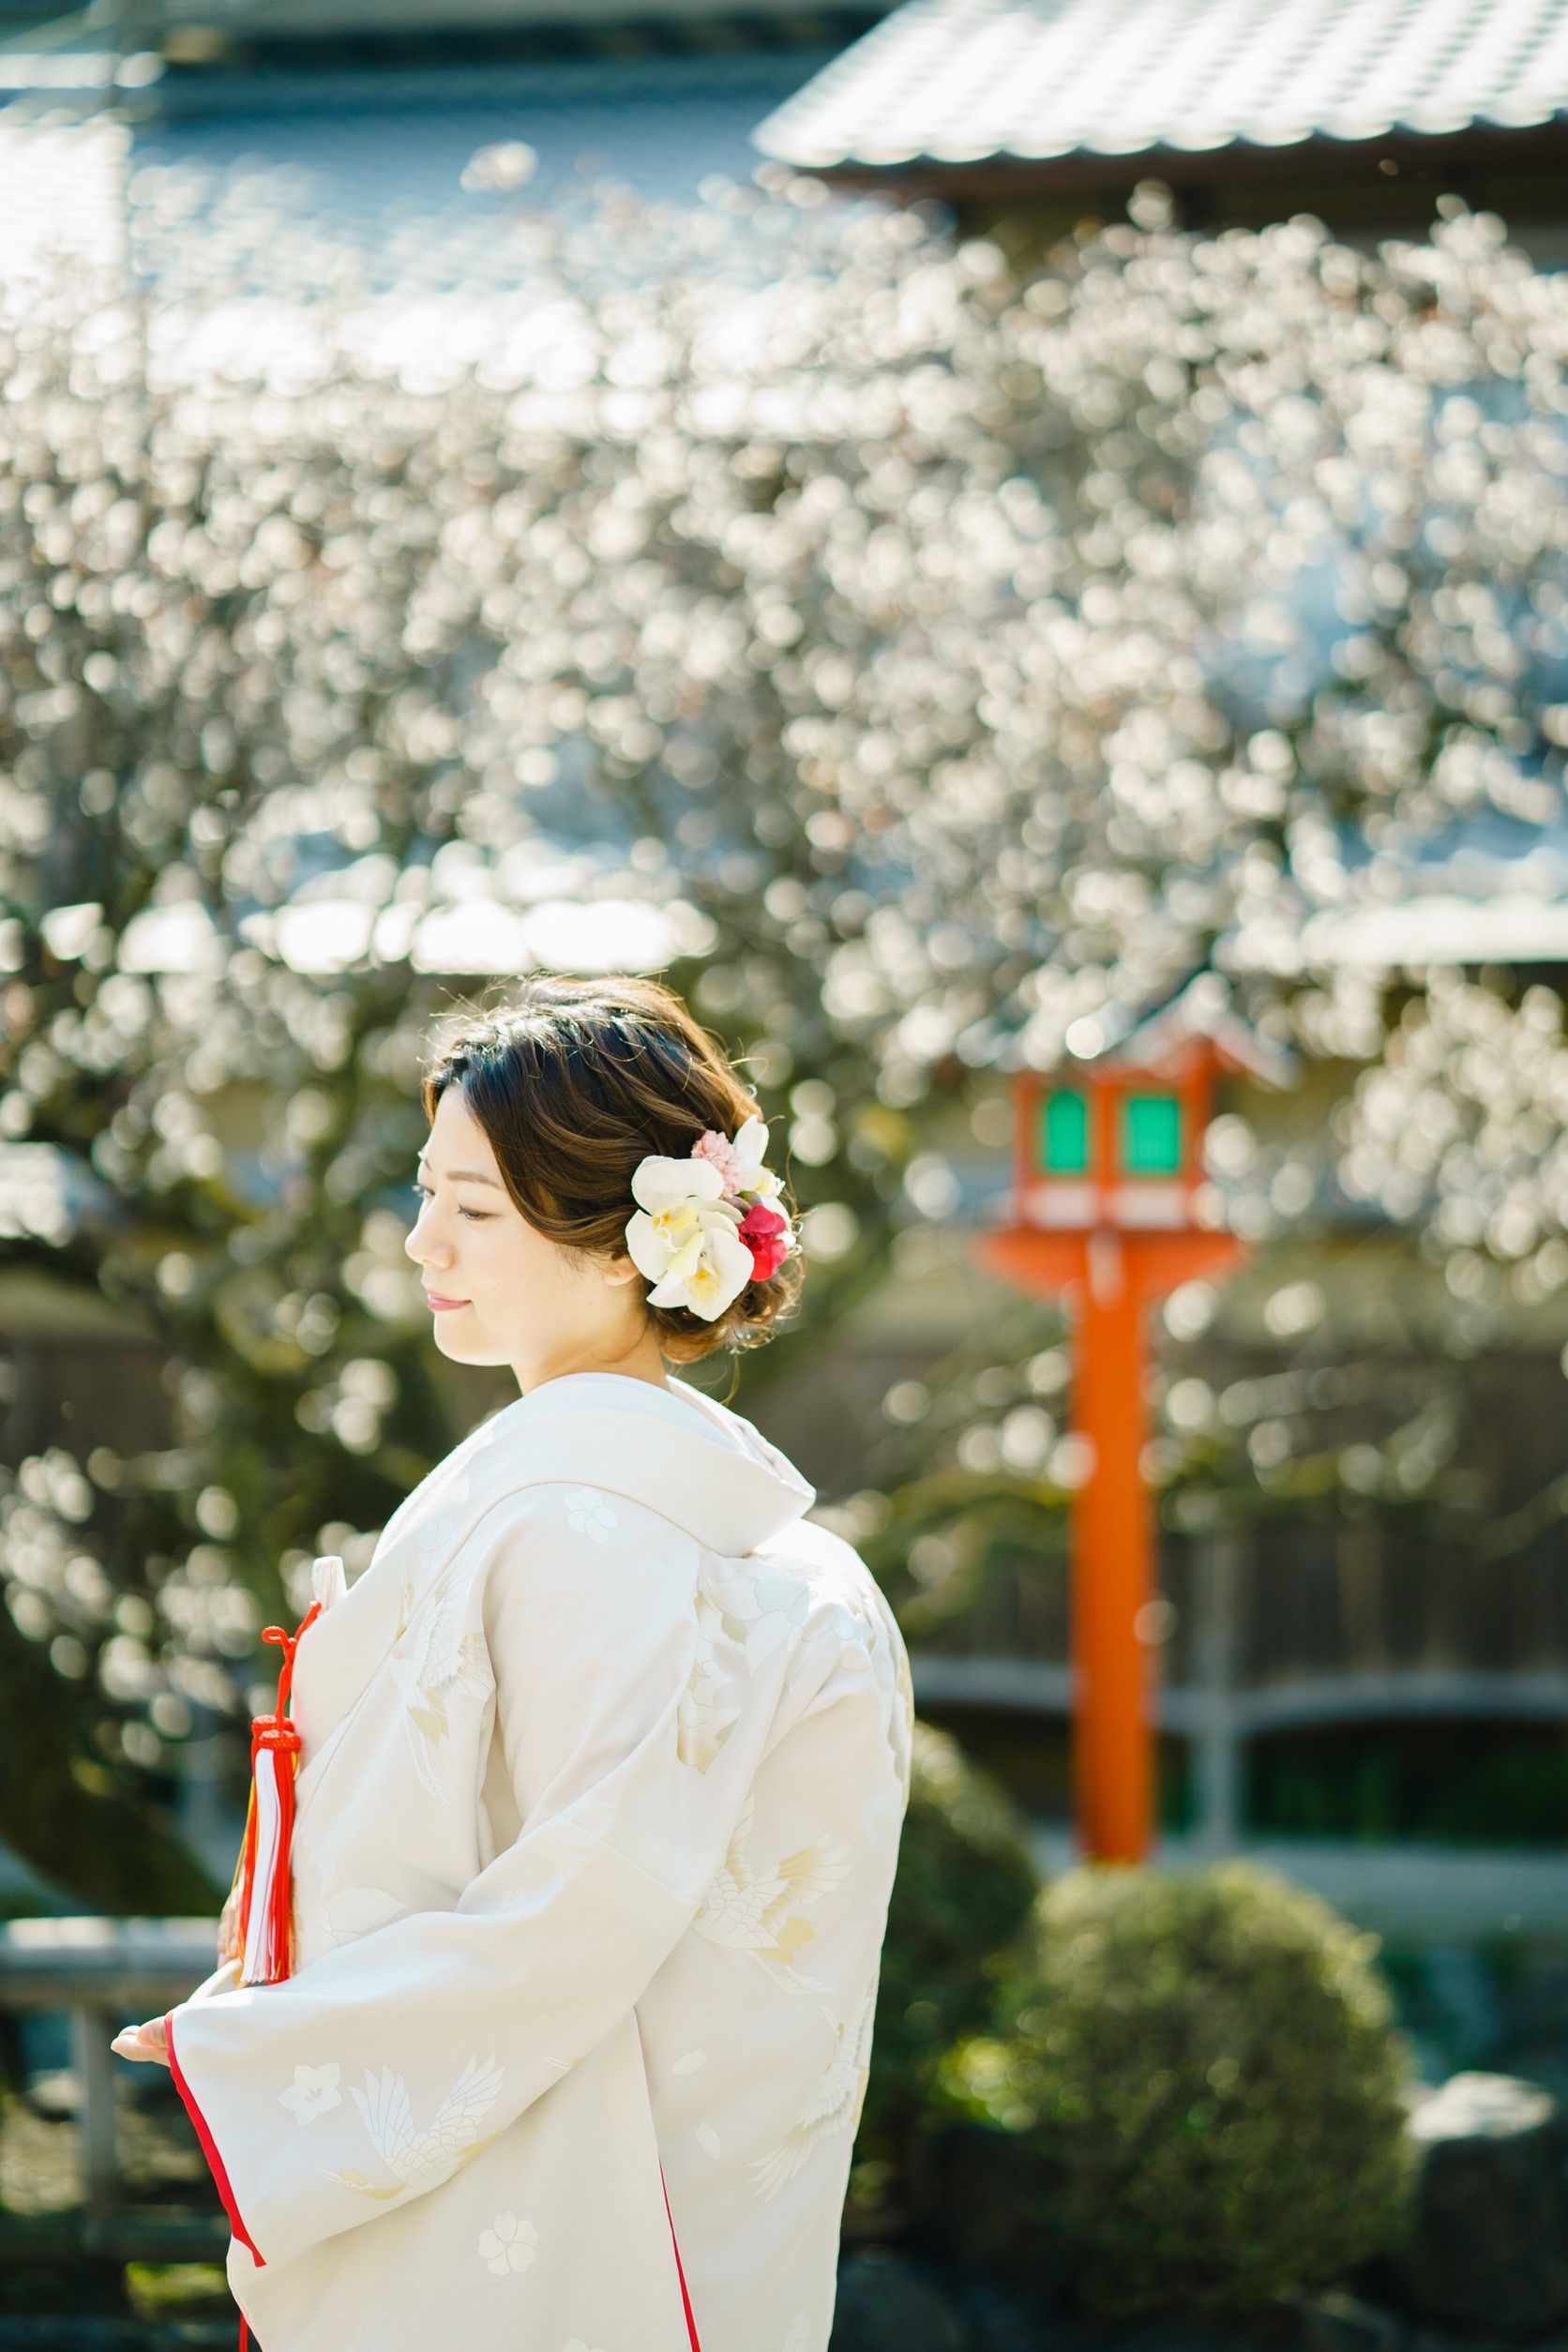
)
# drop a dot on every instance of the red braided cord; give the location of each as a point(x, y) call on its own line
point(275, 1732)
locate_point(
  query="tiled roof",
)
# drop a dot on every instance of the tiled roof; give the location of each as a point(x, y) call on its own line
point(370, 161)
point(962, 81)
point(1488, 889)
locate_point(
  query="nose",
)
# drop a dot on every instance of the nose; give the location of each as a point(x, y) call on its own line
point(424, 1246)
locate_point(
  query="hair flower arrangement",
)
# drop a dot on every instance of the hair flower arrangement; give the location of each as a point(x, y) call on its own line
point(706, 1225)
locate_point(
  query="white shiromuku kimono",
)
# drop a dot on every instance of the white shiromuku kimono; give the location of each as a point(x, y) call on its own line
point(605, 1759)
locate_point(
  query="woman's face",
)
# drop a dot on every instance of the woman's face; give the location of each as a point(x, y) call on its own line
point(500, 1292)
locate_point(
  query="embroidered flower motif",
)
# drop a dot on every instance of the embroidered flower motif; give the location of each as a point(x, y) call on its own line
point(708, 2140)
point(743, 1616)
point(315, 2091)
point(508, 2245)
point(798, 2339)
point(762, 1609)
point(588, 1513)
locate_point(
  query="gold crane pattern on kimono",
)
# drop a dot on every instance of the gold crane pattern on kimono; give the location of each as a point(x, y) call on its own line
point(834, 2110)
point(421, 2160)
point(760, 1912)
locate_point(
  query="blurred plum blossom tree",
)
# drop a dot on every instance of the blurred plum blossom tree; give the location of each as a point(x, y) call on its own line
point(1461, 1129)
point(927, 664)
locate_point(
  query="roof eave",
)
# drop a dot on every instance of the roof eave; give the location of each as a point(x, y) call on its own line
point(1241, 162)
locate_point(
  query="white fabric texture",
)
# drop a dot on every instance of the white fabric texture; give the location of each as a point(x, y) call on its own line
point(605, 1757)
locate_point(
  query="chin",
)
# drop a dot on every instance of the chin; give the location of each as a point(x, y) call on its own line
point(452, 1343)
point(470, 1347)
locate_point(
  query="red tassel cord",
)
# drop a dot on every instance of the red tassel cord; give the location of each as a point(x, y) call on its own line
point(264, 1880)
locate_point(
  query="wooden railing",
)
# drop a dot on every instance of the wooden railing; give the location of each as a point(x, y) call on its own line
point(1304, 1600)
point(102, 1974)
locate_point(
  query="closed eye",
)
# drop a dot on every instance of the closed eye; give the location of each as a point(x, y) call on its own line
point(475, 1217)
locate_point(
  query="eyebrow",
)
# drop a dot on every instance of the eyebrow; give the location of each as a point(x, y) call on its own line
point(466, 1176)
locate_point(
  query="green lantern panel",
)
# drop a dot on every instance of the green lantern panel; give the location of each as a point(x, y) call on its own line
point(1064, 1135)
point(1151, 1135)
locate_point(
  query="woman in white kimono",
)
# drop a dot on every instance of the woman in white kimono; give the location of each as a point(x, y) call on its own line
point(603, 1764)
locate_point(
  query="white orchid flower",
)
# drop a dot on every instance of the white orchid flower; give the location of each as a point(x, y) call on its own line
point(663, 1184)
point(710, 1273)
point(751, 1149)
point(684, 1236)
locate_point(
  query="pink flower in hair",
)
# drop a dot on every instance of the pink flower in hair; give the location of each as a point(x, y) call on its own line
point(720, 1153)
point(742, 1165)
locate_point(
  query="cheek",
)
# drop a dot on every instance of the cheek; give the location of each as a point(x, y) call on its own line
point(534, 1277)
point(507, 1265)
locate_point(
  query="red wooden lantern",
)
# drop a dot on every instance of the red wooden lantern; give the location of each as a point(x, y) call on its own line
point(1109, 1165)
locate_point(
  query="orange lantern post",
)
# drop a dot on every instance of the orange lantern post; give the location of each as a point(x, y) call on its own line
point(1108, 1168)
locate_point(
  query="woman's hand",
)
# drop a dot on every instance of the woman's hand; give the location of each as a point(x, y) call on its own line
point(149, 2042)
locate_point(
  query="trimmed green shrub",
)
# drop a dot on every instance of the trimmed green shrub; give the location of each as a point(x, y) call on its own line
point(963, 1892)
point(1207, 2064)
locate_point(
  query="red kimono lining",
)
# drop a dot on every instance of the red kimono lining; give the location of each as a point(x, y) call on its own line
point(209, 2150)
point(680, 2269)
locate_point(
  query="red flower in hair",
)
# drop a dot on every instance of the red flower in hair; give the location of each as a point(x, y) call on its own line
point(766, 1234)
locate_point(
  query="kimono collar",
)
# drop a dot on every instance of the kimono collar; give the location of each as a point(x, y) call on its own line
point(693, 1461)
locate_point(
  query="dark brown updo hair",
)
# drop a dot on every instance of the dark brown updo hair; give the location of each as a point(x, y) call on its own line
point(574, 1082)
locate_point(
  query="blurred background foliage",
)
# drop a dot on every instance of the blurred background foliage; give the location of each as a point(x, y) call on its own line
point(1208, 2064)
point(1149, 2093)
point(965, 1887)
point(930, 661)
point(866, 634)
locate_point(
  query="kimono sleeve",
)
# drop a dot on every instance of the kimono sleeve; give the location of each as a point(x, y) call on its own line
point(629, 1732)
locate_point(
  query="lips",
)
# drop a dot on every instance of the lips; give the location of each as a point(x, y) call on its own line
point(438, 1306)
